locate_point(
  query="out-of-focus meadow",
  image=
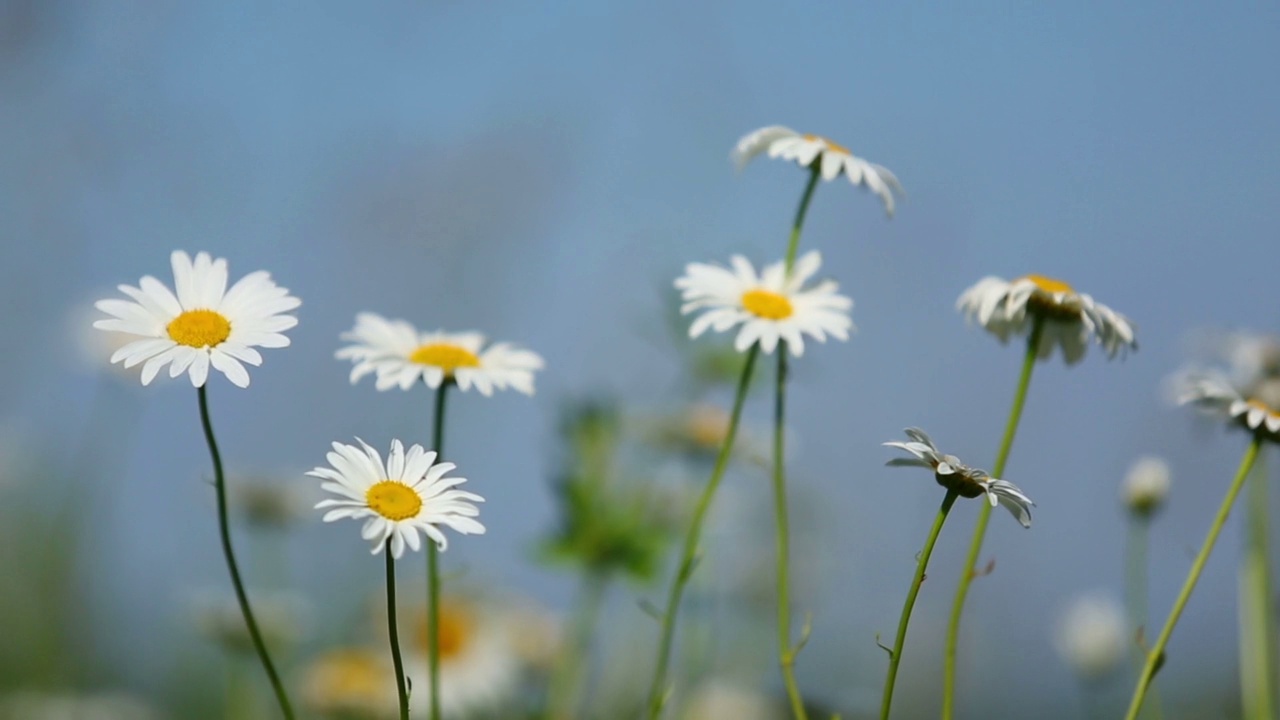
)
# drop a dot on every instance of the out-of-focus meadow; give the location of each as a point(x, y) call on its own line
point(542, 172)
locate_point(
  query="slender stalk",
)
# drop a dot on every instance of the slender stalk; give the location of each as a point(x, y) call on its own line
point(402, 689)
point(688, 557)
point(1137, 595)
point(1257, 622)
point(1155, 656)
point(433, 566)
point(566, 685)
point(793, 243)
point(922, 564)
point(786, 651)
point(224, 531)
point(984, 516)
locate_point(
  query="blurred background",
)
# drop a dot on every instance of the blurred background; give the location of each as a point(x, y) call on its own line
point(542, 172)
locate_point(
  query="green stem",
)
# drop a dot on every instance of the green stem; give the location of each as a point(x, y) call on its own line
point(433, 566)
point(984, 516)
point(658, 689)
point(224, 531)
point(1257, 622)
point(1155, 656)
point(786, 651)
point(402, 689)
point(1136, 590)
point(793, 243)
point(895, 656)
point(566, 684)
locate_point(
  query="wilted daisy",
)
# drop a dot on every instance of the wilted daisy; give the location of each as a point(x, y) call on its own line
point(1070, 319)
point(1145, 486)
point(1091, 635)
point(205, 323)
point(829, 158)
point(770, 306)
point(398, 354)
point(1213, 392)
point(959, 478)
point(407, 495)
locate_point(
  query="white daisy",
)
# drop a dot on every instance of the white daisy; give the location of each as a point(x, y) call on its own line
point(833, 159)
point(398, 354)
point(1212, 391)
point(1092, 635)
point(1009, 308)
point(771, 306)
point(397, 500)
point(1145, 486)
point(204, 324)
point(960, 478)
point(480, 665)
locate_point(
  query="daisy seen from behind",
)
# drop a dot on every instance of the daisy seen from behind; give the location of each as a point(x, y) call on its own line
point(203, 324)
point(770, 306)
point(408, 495)
point(825, 158)
point(398, 354)
point(965, 481)
point(1067, 319)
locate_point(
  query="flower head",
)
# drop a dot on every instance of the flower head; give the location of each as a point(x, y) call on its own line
point(480, 665)
point(814, 151)
point(960, 478)
point(353, 680)
point(1213, 392)
point(1009, 308)
point(407, 495)
point(398, 354)
point(1091, 635)
point(205, 324)
point(770, 306)
point(1146, 486)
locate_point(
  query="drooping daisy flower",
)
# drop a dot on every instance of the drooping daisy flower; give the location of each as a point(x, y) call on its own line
point(1213, 392)
point(963, 480)
point(832, 159)
point(771, 306)
point(205, 324)
point(1092, 635)
point(480, 666)
point(398, 354)
point(407, 495)
point(1009, 308)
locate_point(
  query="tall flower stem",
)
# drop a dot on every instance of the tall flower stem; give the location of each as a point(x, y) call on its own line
point(224, 531)
point(895, 656)
point(1257, 621)
point(433, 566)
point(402, 690)
point(566, 683)
point(1155, 656)
point(793, 243)
point(786, 650)
point(688, 557)
point(1136, 591)
point(984, 516)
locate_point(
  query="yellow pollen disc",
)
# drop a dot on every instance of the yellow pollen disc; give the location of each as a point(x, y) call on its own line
point(199, 328)
point(831, 145)
point(765, 304)
point(1048, 284)
point(393, 500)
point(455, 629)
point(1255, 403)
point(446, 356)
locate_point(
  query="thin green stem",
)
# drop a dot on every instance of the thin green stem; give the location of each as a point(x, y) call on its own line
point(402, 688)
point(786, 651)
point(793, 243)
point(566, 685)
point(1155, 656)
point(1257, 622)
point(1137, 596)
point(433, 566)
point(984, 516)
point(895, 656)
point(224, 531)
point(688, 559)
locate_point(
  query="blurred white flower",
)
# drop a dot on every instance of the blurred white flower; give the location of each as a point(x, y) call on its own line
point(1070, 319)
point(407, 495)
point(722, 700)
point(833, 159)
point(1091, 635)
point(1213, 392)
point(281, 615)
point(271, 501)
point(357, 681)
point(399, 355)
point(204, 324)
point(1146, 486)
point(771, 306)
point(32, 705)
point(480, 661)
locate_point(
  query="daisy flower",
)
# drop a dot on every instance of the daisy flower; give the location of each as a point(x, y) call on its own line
point(1092, 635)
point(480, 663)
point(398, 354)
point(1070, 319)
point(205, 323)
point(830, 159)
point(770, 306)
point(1146, 486)
point(355, 681)
point(1212, 391)
point(960, 478)
point(407, 495)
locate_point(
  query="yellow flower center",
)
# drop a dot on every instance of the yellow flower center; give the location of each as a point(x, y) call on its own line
point(831, 145)
point(446, 356)
point(393, 500)
point(1260, 405)
point(455, 630)
point(1043, 301)
point(1048, 284)
point(766, 304)
point(199, 328)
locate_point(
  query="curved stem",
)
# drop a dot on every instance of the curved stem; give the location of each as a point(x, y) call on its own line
point(1155, 657)
point(224, 531)
point(433, 566)
point(984, 516)
point(793, 243)
point(658, 690)
point(402, 689)
point(786, 651)
point(895, 656)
